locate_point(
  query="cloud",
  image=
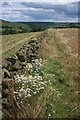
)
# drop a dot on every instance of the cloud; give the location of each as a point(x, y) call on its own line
point(49, 1)
point(4, 4)
point(38, 11)
point(69, 10)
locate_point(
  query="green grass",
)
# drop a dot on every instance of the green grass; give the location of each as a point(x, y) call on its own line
point(58, 71)
point(14, 24)
point(57, 99)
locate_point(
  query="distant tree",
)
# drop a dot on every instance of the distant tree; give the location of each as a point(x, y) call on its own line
point(71, 25)
point(9, 31)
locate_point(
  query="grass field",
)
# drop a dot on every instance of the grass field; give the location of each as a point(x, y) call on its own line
point(59, 51)
point(12, 43)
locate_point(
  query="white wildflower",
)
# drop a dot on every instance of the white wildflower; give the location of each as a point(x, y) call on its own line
point(35, 92)
point(28, 95)
point(15, 92)
point(54, 112)
point(59, 94)
point(42, 88)
point(54, 90)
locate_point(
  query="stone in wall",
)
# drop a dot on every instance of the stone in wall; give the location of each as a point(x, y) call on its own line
point(21, 56)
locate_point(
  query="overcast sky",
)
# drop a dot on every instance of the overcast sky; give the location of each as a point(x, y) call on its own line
point(40, 11)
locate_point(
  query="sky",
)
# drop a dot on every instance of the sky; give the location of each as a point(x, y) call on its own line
point(40, 10)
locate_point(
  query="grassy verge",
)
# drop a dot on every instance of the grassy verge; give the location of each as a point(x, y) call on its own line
point(60, 96)
point(59, 103)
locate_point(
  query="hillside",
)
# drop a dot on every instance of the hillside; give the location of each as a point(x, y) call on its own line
point(13, 24)
point(20, 27)
point(25, 27)
point(40, 77)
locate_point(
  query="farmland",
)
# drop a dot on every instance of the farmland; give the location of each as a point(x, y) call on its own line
point(53, 74)
point(12, 43)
